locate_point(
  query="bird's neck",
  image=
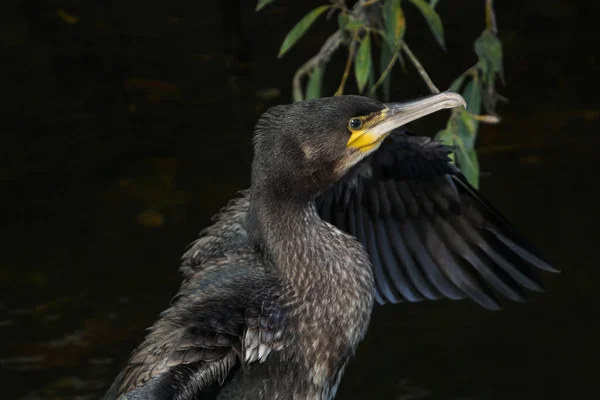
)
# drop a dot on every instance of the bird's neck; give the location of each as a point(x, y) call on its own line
point(301, 245)
point(327, 272)
point(292, 235)
point(273, 219)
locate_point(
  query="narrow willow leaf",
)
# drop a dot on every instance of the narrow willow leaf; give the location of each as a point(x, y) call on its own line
point(457, 84)
point(362, 63)
point(394, 22)
point(371, 80)
point(445, 136)
point(297, 94)
point(489, 50)
point(313, 87)
point(476, 169)
point(488, 47)
point(343, 20)
point(388, 22)
point(452, 157)
point(70, 19)
point(472, 95)
point(300, 29)
point(485, 68)
point(262, 4)
point(385, 58)
point(433, 20)
point(468, 163)
point(465, 129)
point(354, 25)
point(402, 62)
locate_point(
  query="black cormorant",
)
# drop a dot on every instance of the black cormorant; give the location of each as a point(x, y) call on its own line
point(278, 292)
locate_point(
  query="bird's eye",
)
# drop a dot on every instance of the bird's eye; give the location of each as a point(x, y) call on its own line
point(355, 124)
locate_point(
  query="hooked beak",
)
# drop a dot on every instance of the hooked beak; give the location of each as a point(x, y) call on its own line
point(394, 115)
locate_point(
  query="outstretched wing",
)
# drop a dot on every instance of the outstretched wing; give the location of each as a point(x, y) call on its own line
point(225, 316)
point(428, 232)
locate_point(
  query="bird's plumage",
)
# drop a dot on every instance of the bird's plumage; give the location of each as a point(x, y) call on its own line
point(226, 309)
point(428, 232)
point(278, 291)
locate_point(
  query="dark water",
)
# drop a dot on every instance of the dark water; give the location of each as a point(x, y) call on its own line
point(123, 134)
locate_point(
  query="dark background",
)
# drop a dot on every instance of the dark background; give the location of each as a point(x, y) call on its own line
point(122, 134)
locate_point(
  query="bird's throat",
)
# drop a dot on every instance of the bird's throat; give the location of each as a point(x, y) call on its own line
point(327, 269)
point(328, 278)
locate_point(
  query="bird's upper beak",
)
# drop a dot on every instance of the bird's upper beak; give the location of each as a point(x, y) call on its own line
point(378, 125)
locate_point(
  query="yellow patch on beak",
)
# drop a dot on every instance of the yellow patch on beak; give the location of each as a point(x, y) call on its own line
point(365, 139)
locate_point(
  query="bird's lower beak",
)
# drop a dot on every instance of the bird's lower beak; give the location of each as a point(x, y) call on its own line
point(395, 115)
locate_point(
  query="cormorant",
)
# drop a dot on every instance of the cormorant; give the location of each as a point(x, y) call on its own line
point(278, 292)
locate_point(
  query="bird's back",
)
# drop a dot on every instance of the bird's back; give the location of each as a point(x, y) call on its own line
point(226, 311)
point(227, 234)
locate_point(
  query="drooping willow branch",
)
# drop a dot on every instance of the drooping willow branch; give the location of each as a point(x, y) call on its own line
point(351, 48)
point(417, 64)
point(330, 46)
point(332, 43)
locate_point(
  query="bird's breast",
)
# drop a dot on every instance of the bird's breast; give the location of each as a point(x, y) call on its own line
point(331, 299)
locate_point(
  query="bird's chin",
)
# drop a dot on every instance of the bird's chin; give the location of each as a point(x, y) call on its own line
point(356, 156)
point(368, 149)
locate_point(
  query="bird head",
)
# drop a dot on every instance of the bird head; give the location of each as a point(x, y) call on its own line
point(304, 147)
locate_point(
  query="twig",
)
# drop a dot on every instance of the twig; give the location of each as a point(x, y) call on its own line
point(420, 69)
point(490, 16)
point(387, 69)
point(487, 119)
point(377, 31)
point(340, 89)
point(341, 4)
point(329, 47)
point(322, 57)
point(368, 3)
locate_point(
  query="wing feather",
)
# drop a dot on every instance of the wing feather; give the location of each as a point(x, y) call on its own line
point(428, 232)
point(226, 314)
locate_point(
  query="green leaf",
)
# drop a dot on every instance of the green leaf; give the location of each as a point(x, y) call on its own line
point(394, 22)
point(313, 87)
point(468, 163)
point(433, 3)
point(343, 20)
point(354, 25)
point(371, 80)
point(402, 62)
point(456, 85)
point(262, 4)
point(465, 129)
point(489, 50)
point(385, 58)
point(362, 63)
point(300, 29)
point(433, 19)
point(69, 18)
point(485, 68)
point(472, 95)
point(445, 136)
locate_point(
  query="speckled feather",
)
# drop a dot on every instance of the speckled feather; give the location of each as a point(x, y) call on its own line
point(278, 291)
point(205, 326)
point(428, 232)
